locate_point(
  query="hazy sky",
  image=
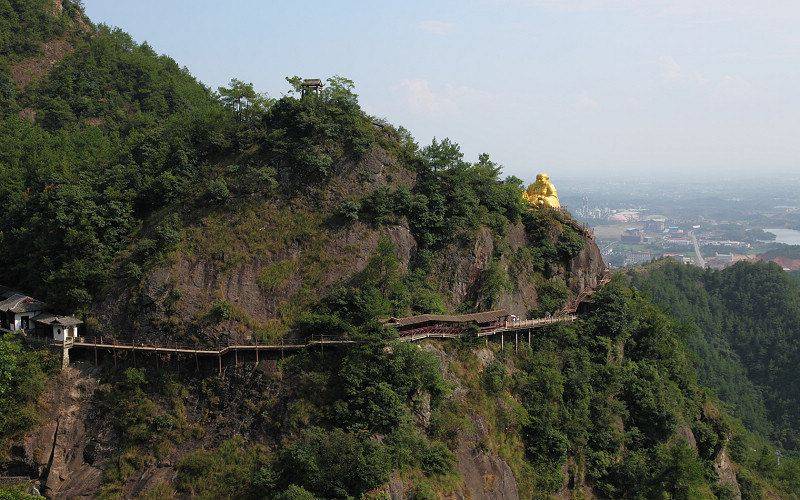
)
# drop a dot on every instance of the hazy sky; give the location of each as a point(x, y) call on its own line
point(648, 87)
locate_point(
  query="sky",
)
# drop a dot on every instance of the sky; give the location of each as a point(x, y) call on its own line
point(642, 88)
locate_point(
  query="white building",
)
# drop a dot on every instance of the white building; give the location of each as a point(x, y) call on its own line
point(19, 312)
point(63, 328)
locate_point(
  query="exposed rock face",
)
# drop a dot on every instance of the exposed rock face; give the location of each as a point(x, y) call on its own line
point(686, 433)
point(585, 270)
point(55, 450)
point(463, 268)
point(32, 69)
point(227, 257)
point(202, 281)
point(485, 475)
point(726, 473)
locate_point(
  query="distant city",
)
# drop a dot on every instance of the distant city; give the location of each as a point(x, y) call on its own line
point(710, 224)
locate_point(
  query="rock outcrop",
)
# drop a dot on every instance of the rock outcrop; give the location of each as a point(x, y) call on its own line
point(54, 453)
point(275, 256)
point(484, 474)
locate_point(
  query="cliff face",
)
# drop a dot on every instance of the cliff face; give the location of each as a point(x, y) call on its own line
point(269, 260)
point(56, 452)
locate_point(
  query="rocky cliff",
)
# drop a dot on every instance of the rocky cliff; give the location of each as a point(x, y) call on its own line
point(268, 261)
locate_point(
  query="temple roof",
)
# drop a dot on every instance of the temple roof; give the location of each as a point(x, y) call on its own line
point(19, 303)
point(52, 319)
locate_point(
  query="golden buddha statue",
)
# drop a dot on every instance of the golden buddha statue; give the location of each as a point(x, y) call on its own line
point(542, 193)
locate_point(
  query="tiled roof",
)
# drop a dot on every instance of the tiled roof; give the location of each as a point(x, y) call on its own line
point(19, 303)
point(52, 319)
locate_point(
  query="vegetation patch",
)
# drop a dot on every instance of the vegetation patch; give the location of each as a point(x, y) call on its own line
point(23, 375)
point(275, 275)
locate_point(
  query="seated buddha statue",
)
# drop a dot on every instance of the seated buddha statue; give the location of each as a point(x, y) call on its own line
point(542, 193)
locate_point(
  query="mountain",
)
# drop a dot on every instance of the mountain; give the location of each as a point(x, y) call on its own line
point(163, 212)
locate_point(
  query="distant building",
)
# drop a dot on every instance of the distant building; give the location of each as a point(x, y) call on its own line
point(679, 241)
point(723, 260)
point(632, 236)
point(655, 225)
point(625, 216)
point(636, 258)
point(683, 259)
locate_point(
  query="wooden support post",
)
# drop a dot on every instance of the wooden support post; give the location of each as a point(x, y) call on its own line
point(516, 341)
point(529, 338)
point(256, 350)
point(219, 358)
point(502, 341)
point(95, 353)
point(486, 341)
point(196, 363)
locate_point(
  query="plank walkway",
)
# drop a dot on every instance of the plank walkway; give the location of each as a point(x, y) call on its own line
point(567, 315)
point(166, 349)
point(432, 333)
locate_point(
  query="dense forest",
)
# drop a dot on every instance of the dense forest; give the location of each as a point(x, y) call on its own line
point(112, 162)
point(742, 323)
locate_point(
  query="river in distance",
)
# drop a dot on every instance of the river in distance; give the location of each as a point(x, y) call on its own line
point(786, 236)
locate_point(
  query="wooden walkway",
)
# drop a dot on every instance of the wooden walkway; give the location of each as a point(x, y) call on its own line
point(454, 332)
point(97, 345)
point(166, 349)
point(434, 332)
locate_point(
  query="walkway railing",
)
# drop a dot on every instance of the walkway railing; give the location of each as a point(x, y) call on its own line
point(442, 332)
point(526, 324)
point(288, 344)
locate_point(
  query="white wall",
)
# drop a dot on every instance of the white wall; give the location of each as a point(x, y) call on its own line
point(18, 320)
point(60, 333)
